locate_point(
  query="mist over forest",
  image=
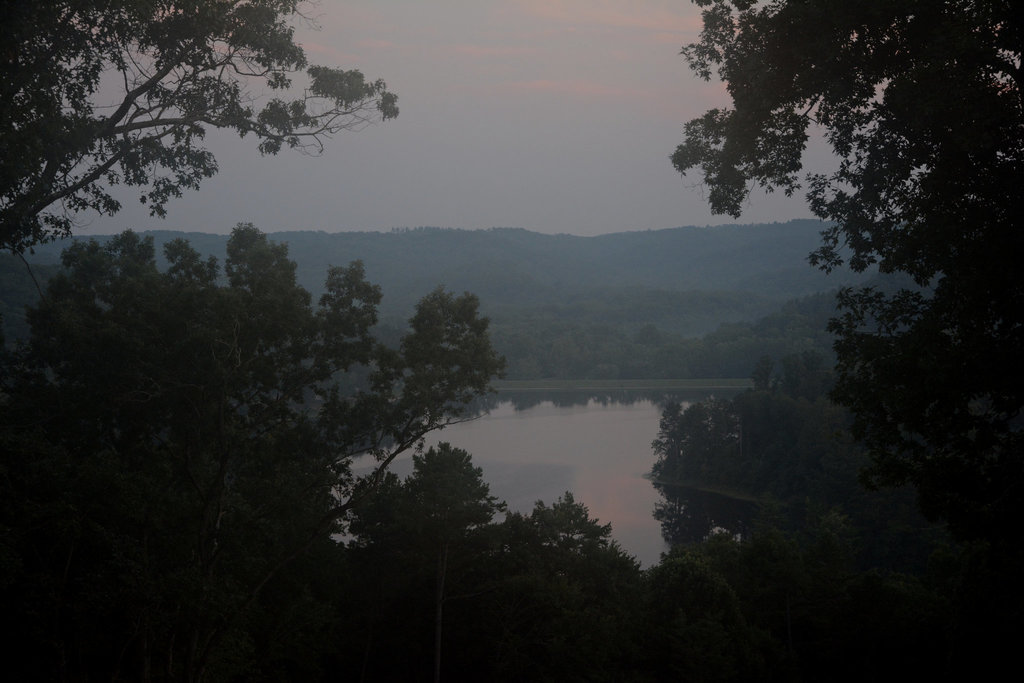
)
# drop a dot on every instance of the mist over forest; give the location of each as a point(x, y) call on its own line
point(513, 266)
point(675, 303)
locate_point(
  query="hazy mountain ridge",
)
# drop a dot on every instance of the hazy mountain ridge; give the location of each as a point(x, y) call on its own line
point(619, 305)
point(512, 266)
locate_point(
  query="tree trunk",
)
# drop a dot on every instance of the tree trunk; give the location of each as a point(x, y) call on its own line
point(442, 568)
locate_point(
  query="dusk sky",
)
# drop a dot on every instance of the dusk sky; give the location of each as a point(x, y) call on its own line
point(554, 116)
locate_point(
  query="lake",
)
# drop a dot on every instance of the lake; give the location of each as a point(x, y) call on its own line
point(598, 449)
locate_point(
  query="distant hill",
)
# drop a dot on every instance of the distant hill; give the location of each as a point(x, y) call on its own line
point(512, 266)
point(617, 305)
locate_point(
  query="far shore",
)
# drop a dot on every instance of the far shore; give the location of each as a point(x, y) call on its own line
point(701, 384)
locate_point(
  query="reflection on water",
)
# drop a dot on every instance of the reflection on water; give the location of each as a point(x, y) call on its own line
point(599, 447)
point(689, 515)
point(526, 399)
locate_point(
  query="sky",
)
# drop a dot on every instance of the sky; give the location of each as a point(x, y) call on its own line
point(557, 116)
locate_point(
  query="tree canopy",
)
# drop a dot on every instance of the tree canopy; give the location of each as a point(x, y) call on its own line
point(921, 102)
point(174, 440)
point(96, 93)
point(438, 512)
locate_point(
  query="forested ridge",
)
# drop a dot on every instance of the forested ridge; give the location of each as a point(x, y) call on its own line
point(512, 266)
point(196, 435)
point(223, 432)
point(678, 303)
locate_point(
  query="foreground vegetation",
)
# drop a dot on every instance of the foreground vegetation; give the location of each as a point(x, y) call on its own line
point(822, 581)
point(177, 471)
point(589, 385)
point(586, 331)
point(177, 443)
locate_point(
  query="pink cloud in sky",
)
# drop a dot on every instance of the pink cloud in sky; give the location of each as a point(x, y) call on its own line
point(319, 52)
point(575, 88)
point(377, 44)
point(668, 38)
point(680, 18)
point(478, 51)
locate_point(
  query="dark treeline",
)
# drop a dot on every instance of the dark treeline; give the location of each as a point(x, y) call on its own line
point(18, 289)
point(820, 581)
point(764, 493)
point(689, 302)
point(195, 440)
point(516, 267)
point(177, 449)
point(816, 578)
point(545, 344)
point(785, 447)
point(179, 503)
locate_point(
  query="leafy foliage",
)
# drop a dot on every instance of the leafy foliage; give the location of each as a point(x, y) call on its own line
point(538, 596)
point(786, 447)
point(782, 566)
point(174, 441)
point(922, 104)
point(98, 92)
point(704, 635)
point(434, 519)
point(571, 309)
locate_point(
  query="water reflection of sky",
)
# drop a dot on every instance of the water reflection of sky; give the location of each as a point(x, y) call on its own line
point(599, 451)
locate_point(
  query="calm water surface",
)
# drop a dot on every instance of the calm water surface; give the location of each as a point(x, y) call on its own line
point(598, 451)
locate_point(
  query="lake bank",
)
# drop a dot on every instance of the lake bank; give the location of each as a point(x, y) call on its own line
point(599, 448)
point(602, 385)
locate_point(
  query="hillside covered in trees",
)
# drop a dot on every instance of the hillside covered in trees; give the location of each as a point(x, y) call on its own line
point(196, 440)
point(516, 267)
point(196, 486)
point(622, 306)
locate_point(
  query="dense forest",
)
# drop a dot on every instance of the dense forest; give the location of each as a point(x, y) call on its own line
point(165, 509)
point(197, 431)
point(675, 304)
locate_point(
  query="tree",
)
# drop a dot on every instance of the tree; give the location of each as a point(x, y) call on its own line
point(567, 604)
point(697, 628)
point(98, 93)
point(761, 377)
point(173, 441)
point(538, 596)
point(921, 101)
point(695, 441)
point(433, 517)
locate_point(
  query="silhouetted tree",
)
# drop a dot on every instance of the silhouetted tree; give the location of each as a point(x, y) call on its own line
point(69, 131)
point(173, 441)
point(922, 104)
